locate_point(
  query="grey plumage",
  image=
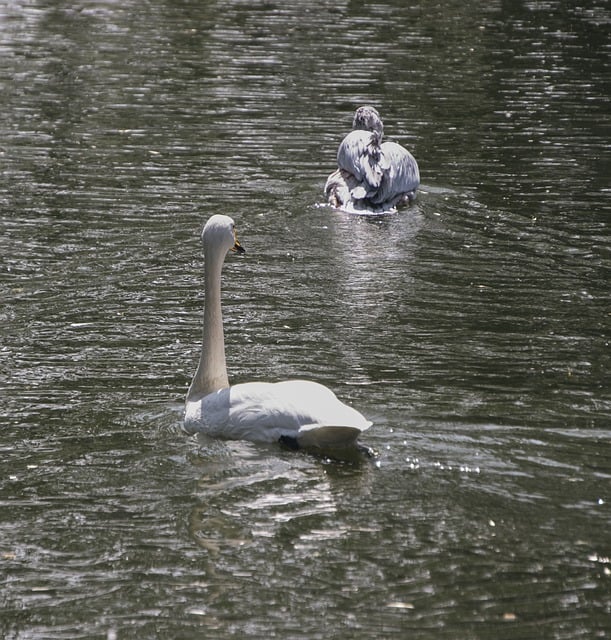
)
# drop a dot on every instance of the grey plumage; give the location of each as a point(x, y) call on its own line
point(372, 175)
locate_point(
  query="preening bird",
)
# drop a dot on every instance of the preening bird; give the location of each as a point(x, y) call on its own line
point(298, 413)
point(372, 176)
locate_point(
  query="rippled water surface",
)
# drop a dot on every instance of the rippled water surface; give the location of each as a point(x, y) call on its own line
point(472, 328)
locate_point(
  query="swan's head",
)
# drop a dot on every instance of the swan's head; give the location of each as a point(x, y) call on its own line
point(367, 118)
point(219, 235)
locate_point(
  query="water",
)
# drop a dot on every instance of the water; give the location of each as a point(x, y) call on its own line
point(473, 328)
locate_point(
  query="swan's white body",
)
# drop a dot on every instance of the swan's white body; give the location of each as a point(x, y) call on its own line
point(372, 175)
point(300, 412)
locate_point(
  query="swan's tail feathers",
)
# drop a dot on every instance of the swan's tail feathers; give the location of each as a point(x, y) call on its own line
point(328, 437)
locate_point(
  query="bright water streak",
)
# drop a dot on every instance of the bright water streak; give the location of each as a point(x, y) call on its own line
point(472, 328)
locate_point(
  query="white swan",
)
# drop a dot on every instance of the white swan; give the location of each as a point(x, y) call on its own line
point(296, 412)
point(372, 176)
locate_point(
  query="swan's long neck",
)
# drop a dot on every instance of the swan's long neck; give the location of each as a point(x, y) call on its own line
point(211, 374)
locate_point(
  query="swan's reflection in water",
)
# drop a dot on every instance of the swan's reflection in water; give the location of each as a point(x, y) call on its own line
point(250, 494)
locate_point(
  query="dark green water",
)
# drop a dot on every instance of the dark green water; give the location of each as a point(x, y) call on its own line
point(473, 328)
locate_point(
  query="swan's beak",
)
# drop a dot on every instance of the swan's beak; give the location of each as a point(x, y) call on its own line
point(237, 246)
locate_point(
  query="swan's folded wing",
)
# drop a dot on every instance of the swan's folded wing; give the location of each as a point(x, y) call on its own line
point(266, 412)
point(359, 155)
point(402, 174)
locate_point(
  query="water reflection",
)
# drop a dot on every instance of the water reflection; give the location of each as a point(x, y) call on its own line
point(259, 497)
